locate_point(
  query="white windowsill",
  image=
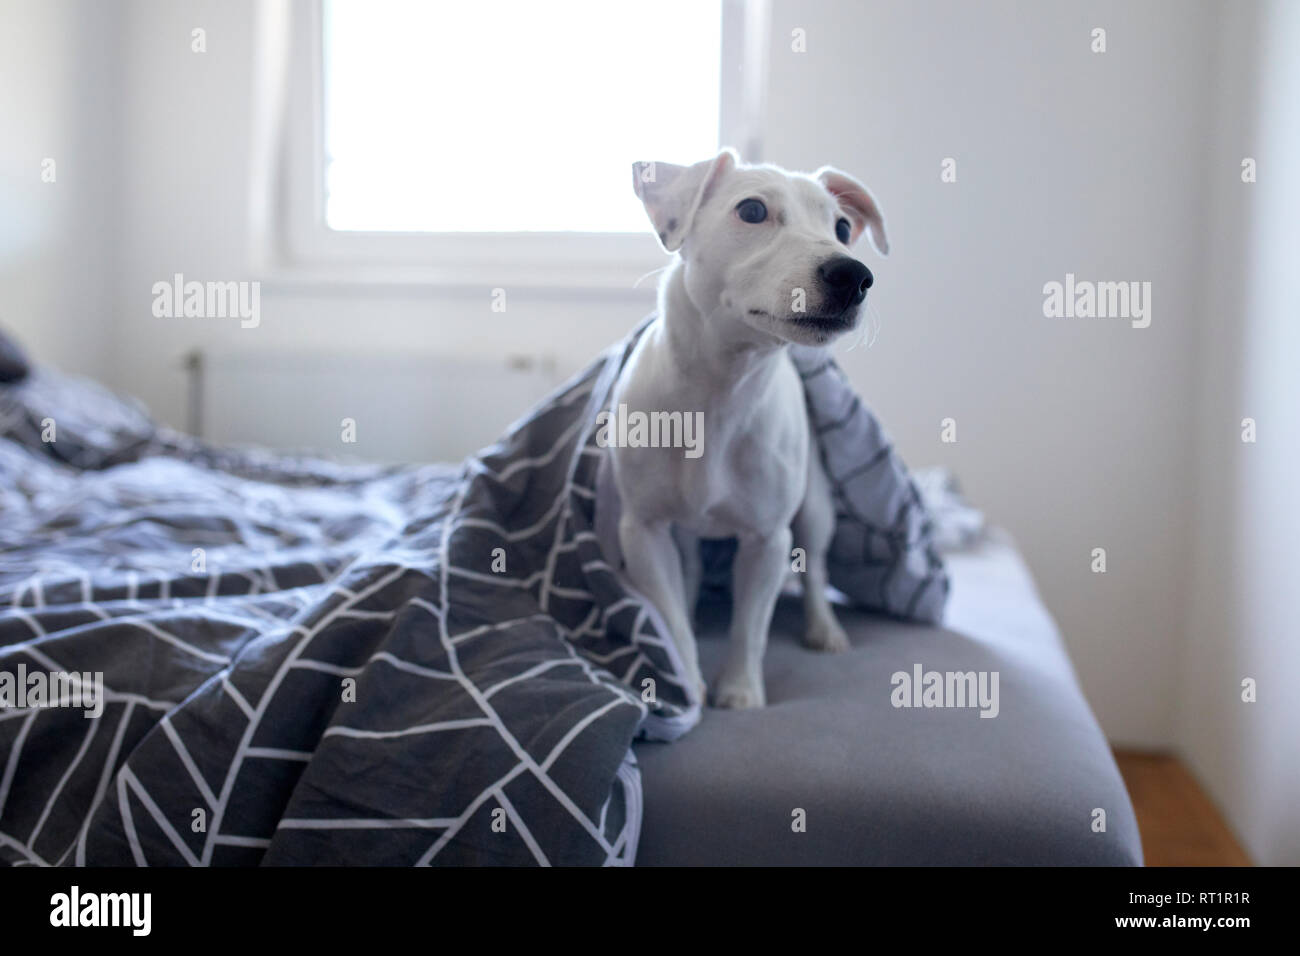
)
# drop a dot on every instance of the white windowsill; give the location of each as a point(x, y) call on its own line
point(602, 281)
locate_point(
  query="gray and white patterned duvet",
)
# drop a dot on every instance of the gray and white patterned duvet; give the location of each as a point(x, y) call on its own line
point(304, 662)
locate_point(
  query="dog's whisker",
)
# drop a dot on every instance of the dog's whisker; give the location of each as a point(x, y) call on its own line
point(652, 272)
point(874, 313)
point(866, 334)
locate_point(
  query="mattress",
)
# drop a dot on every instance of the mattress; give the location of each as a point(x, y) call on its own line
point(837, 771)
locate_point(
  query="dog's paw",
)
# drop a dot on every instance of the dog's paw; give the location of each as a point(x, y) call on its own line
point(825, 634)
point(739, 693)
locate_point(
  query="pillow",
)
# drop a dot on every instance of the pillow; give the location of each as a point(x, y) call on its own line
point(92, 427)
point(13, 363)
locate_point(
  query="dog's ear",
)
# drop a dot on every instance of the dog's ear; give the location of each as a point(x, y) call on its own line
point(673, 194)
point(858, 205)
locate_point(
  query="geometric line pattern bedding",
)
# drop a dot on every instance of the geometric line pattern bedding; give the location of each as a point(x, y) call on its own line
point(882, 553)
point(360, 664)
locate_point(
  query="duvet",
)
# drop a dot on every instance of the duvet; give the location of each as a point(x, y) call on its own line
point(217, 656)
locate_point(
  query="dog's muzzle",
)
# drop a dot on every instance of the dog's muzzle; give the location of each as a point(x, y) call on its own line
point(845, 282)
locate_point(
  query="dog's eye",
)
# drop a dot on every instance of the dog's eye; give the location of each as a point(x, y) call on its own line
point(843, 231)
point(751, 210)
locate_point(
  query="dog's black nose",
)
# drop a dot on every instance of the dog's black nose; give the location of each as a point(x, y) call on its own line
point(846, 280)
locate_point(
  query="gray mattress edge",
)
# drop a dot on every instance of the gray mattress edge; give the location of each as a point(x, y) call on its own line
point(831, 772)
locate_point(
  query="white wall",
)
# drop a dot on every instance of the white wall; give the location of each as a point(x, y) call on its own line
point(58, 100)
point(1073, 433)
point(1243, 622)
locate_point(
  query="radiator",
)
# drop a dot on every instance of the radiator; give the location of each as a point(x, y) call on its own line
point(395, 407)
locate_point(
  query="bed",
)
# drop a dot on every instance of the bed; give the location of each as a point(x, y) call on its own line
point(295, 661)
point(880, 785)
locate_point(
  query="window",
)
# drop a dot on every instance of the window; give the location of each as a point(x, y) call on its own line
point(511, 115)
point(493, 140)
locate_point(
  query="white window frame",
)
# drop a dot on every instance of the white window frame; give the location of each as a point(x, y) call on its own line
point(307, 246)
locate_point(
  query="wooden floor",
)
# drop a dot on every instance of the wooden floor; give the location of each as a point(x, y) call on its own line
point(1180, 825)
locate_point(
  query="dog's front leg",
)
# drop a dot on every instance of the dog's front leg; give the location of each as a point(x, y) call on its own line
point(758, 571)
point(688, 544)
point(814, 526)
point(655, 566)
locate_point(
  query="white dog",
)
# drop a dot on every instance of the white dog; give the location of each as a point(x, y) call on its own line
point(763, 262)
